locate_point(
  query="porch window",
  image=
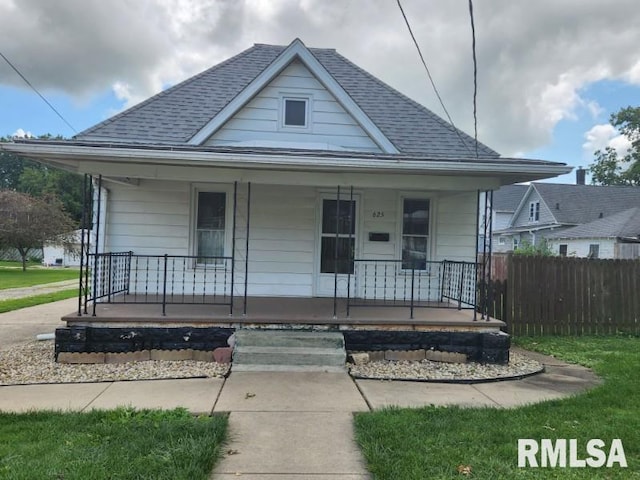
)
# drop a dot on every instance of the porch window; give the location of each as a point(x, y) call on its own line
point(415, 233)
point(210, 225)
point(346, 241)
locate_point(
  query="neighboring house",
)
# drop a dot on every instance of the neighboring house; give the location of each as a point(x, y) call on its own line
point(55, 254)
point(505, 201)
point(615, 236)
point(548, 209)
point(284, 172)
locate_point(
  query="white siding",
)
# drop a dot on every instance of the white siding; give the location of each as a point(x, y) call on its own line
point(152, 218)
point(546, 217)
point(580, 247)
point(155, 218)
point(259, 121)
point(282, 240)
point(456, 227)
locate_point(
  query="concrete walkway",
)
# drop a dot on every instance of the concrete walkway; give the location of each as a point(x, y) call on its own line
point(294, 425)
point(21, 292)
point(283, 425)
point(21, 326)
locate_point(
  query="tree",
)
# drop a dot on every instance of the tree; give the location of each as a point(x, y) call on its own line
point(38, 180)
point(526, 249)
point(27, 222)
point(611, 169)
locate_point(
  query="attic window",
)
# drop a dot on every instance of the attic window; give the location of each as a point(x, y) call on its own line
point(295, 112)
point(534, 211)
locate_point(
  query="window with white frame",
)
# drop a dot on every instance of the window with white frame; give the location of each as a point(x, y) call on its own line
point(562, 249)
point(516, 243)
point(210, 226)
point(534, 211)
point(415, 233)
point(594, 250)
point(501, 240)
point(295, 112)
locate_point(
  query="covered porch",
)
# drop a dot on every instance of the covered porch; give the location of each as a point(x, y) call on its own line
point(353, 275)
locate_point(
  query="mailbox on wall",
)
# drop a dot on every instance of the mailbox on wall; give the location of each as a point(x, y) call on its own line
point(378, 237)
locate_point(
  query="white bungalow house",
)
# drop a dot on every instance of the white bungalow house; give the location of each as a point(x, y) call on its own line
point(284, 185)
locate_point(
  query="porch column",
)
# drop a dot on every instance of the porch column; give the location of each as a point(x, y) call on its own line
point(487, 252)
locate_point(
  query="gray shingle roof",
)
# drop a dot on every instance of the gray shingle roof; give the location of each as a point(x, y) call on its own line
point(507, 198)
point(625, 224)
point(175, 115)
point(579, 204)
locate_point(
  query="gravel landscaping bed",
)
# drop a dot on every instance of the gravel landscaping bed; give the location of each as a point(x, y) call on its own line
point(33, 363)
point(426, 370)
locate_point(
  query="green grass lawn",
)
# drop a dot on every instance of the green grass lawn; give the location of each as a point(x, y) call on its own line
point(117, 444)
point(12, 276)
point(434, 442)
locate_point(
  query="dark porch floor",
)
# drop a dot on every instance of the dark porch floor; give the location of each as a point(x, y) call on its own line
point(282, 312)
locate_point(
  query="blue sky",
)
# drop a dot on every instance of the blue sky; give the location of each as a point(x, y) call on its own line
point(568, 136)
point(549, 73)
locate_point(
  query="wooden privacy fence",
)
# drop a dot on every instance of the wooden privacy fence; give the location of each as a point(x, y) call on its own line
point(568, 296)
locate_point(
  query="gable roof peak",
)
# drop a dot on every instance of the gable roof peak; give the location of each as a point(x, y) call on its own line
point(296, 49)
point(395, 122)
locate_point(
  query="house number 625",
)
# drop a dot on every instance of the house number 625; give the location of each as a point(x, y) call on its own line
point(378, 214)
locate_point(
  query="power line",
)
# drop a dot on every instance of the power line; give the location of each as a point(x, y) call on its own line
point(475, 76)
point(433, 84)
point(36, 90)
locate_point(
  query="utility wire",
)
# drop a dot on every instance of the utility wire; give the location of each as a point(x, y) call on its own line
point(36, 90)
point(433, 84)
point(475, 77)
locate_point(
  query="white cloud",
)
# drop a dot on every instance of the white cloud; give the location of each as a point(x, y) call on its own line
point(633, 75)
point(534, 58)
point(20, 133)
point(602, 136)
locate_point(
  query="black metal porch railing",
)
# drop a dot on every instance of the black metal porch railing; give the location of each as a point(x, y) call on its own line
point(385, 283)
point(124, 277)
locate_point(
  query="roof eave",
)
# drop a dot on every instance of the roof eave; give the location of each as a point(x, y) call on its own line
point(67, 152)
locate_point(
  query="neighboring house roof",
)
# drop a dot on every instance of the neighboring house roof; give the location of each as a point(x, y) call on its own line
point(176, 115)
point(571, 204)
point(578, 204)
point(625, 224)
point(506, 199)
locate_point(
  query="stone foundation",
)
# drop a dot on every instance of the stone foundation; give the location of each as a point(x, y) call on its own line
point(485, 347)
point(126, 340)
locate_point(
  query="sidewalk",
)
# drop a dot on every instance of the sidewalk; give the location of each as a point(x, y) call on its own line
point(283, 425)
point(13, 293)
point(294, 425)
point(21, 326)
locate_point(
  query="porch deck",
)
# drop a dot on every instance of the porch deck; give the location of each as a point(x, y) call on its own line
point(286, 312)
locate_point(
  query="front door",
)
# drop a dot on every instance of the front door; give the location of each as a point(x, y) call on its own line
point(336, 245)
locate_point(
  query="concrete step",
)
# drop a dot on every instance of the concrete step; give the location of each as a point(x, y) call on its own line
point(288, 350)
point(289, 338)
point(288, 368)
point(288, 356)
